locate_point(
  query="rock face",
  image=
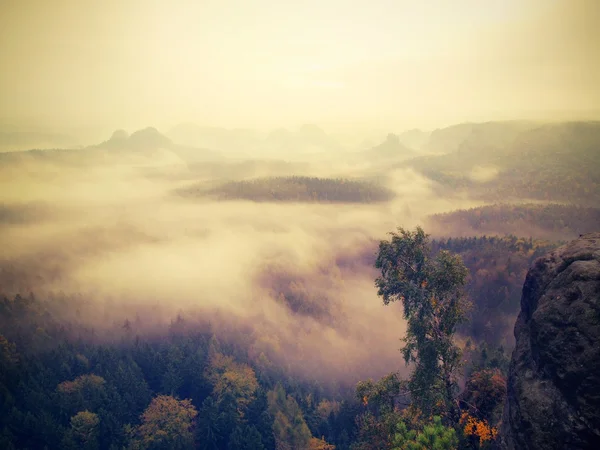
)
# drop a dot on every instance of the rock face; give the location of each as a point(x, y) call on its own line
point(553, 399)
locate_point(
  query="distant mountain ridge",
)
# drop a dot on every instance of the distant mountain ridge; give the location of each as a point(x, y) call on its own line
point(25, 140)
point(391, 148)
point(499, 162)
point(145, 143)
point(144, 139)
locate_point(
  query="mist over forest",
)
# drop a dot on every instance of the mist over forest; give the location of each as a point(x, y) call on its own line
point(115, 221)
point(275, 255)
point(196, 204)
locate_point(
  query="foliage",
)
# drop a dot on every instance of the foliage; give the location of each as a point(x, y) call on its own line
point(226, 375)
point(433, 436)
point(381, 396)
point(80, 383)
point(319, 444)
point(297, 189)
point(497, 267)
point(208, 432)
point(374, 432)
point(484, 393)
point(8, 352)
point(482, 357)
point(554, 162)
point(544, 221)
point(53, 367)
point(289, 426)
point(327, 407)
point(84, 430)
point(44, 383)
point(245, 438)
point(167, 423)
point(478, 428)
point(430, 289)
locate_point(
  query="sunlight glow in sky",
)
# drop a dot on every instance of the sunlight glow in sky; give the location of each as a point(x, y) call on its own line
point(269, 63)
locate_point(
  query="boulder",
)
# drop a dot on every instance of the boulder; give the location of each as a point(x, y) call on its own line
point(553, 395)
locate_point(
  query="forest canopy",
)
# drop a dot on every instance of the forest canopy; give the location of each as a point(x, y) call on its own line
point(297, 189)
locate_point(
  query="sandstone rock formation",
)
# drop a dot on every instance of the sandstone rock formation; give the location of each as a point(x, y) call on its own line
point(553, 397)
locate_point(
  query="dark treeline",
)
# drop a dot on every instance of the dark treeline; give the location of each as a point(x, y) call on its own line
point(551, 221)
point(63, 388)
point(299, 189)
point(554, 162)
point(497, 268)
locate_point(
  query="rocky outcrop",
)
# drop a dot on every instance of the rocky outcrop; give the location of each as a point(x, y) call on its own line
point(553, 399)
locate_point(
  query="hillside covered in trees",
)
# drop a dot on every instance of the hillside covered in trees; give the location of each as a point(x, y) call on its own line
point(552, 162)
point(546, 221)
point(297, 189)
point(296, 225)
point(67, 384)
point(168, 299)
point(497, 268)
point(64, 387)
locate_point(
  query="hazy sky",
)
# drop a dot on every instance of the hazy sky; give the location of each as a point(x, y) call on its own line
point(266, 63)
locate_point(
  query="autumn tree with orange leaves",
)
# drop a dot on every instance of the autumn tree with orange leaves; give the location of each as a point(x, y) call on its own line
point(484, 394)
point(478, 431)
point(166, 423)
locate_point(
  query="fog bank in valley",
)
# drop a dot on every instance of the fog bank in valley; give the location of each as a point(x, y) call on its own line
point(299, 275)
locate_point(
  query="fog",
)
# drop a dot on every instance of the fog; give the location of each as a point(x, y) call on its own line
point(87, 68)
point(108, 228)
point(109, 224)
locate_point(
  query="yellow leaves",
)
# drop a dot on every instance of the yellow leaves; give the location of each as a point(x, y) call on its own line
point(326, 407)
point(167, 421)
point(84, 425)
point(320, 444)
point(412, 416)
point(228, 375)
point(424, 284)
point(478, 428)
point(84, 418)
point(434, 302)
point(289, 427)
point(70, 387)
point(8, 351)
point(365, 400)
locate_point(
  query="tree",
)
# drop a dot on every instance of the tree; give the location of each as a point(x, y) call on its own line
point(167, 423)
point(319, 444)
point(379, 399)
point(229, 376)
point(434, 436)
point(86, 392)
point(289, 426)
point(207, 429)
point(477, 431)
point(229, 417)
point(245, 438)
point(484, 393)
point(430, 289)
point(258, 415)
point(380, 396)
point(84, 430)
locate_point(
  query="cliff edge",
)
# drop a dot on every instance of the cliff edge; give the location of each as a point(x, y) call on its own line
point(553, 397)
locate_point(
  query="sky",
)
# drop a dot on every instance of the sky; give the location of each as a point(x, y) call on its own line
point(269, 63)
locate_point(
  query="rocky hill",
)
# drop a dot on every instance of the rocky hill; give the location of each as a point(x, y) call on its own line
point(554, 379)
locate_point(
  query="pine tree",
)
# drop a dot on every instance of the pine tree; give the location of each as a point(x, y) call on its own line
point(245, 438)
